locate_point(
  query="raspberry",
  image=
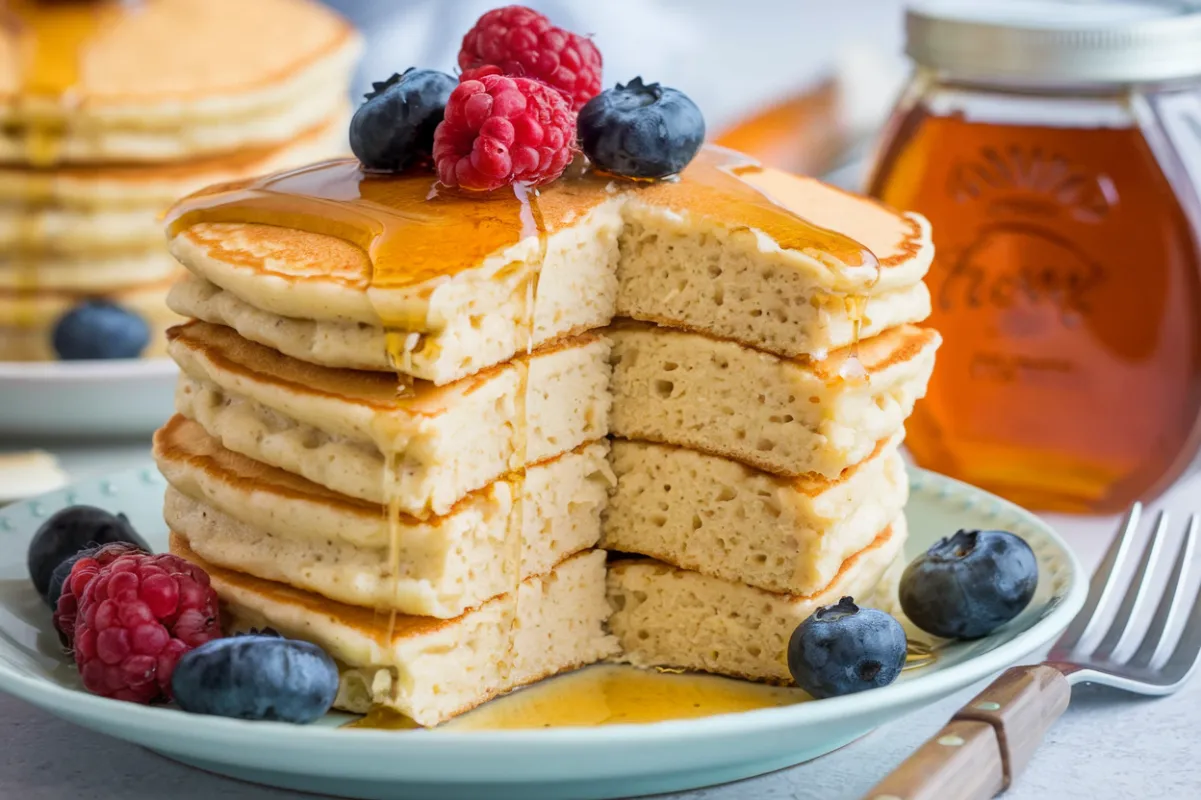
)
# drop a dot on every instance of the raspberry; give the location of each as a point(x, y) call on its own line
point(137, 616)
point(80, 574)
point(519, 41)
point(500, 130)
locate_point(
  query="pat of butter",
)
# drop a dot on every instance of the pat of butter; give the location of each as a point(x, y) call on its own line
point(29, 473)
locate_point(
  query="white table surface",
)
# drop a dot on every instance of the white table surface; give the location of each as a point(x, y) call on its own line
point(1108, 745)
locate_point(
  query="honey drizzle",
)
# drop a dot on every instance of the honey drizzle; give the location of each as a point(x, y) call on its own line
point(851, 369)
point(532, 224)
point(53, 39)
point(919, 654)
point(415, 236)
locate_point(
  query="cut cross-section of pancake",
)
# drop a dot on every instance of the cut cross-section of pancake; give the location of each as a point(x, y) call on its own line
point(337, 428)
point(724, 519)
point(787, 416)
point(728, 249)
point(670, 617)
point(243, 515)
point(763, 257)
point(434, 669)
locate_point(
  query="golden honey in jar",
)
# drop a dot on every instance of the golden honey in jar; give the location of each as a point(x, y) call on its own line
point(1055, 148)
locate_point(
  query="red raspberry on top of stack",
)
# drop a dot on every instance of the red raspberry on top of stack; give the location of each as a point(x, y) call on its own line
point(520, 42)
point(500, 130)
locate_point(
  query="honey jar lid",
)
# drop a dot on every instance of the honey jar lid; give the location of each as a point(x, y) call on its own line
point(1057, 42)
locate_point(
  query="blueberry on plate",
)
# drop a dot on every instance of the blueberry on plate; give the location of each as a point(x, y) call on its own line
point(842, 648)
point(65, 534)
point(97, 330)
point(641, 130)
point(395, 127)
point(967, 585)
point(256, 676)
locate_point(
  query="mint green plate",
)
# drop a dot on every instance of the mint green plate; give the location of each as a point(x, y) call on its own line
point(605, 762)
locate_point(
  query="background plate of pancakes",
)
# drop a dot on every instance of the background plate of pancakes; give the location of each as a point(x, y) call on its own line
point(596, 762)
point(110, 111)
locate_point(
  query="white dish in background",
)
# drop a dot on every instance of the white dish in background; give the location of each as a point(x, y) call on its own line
point(92, 399)
point(601, 762)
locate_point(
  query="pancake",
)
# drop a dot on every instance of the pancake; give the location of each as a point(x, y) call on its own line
point(164, 80)
point(478, 319)
point(90, 210)
point(243, 515)
point(338, 428)
point(433, 669)
point(96, 274)
point(788, 417)
point(724, 519)
point(669, 617)
point(443, 265)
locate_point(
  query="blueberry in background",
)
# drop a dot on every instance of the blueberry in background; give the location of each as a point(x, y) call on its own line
point(99, 330)
point(967, 585)
point(256, 676)
point(842, 648)
point(69, 531)
point(641, 130)
point(395, 127)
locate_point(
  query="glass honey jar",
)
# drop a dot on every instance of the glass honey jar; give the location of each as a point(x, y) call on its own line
point(1055, 148)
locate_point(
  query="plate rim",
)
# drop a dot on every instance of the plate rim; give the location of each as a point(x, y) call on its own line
point(91, 371)
point(74, 704)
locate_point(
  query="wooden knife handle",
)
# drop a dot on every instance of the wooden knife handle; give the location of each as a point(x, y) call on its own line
point(987, 743)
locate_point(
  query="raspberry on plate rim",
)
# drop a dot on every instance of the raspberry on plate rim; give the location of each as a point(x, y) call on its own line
point(136, 616)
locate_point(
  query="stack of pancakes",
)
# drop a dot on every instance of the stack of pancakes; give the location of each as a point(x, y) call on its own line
point(113, 110)
point(395, 407)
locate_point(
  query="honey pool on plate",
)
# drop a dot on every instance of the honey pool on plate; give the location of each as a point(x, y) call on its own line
point(607, 694)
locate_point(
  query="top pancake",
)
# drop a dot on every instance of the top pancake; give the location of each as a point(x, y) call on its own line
point(332, 244)
point(165, 79)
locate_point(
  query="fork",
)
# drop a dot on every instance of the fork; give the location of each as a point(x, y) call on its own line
point(989, 741)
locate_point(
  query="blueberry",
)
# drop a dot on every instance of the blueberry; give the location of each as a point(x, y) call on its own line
point(98, 329)
point(395, 127)
point(66, 533)
point(641, 130)
point(969, 584)
point(843, 648)
point(259, 676)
